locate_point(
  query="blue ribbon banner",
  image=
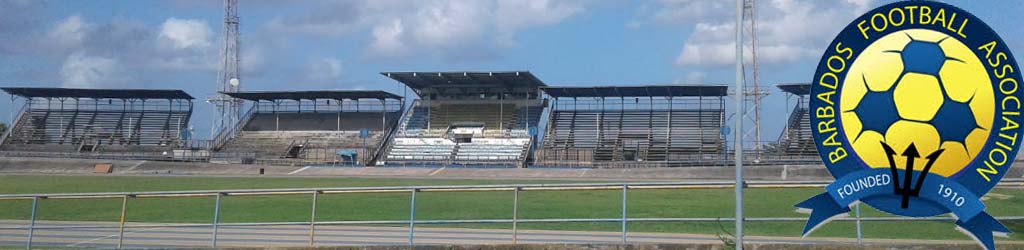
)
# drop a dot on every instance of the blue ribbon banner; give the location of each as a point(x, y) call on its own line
point(879, 182)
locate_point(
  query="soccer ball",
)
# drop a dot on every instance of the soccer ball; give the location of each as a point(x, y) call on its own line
point(922, 87)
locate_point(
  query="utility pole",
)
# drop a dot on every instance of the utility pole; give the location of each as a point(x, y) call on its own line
point(738, 141)
point(228, 108)
point(752, 96)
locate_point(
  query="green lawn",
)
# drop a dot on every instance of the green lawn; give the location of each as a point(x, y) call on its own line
point(477, 205)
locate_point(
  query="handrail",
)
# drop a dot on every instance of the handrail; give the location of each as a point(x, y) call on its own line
point(385, 144)
point(14, 124)
point(223, 136)
point(450, 188)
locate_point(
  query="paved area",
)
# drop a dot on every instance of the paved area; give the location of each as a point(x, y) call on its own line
point(146, 235)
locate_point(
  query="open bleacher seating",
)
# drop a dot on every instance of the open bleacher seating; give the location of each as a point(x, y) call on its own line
point(472, 119)
point(634, 126)
point(503, 139)
point(797, 140)
point(313, 127)
point(98, 121)
point(636, 135)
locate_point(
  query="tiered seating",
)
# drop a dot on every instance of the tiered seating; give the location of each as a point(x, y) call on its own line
point(420, 150)
point(491, 150)
point(277, 144)
point(107, 130)
point(635, 135)
point(444, 151)
point(313, 137)
point(797, 140)
point(326, 121)
point(441, 117)
point(508, 144)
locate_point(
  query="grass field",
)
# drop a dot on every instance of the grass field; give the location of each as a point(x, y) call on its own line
point(716, 203)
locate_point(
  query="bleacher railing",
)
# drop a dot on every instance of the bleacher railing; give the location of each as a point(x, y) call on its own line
point(14, 125)
point(173, 155)
point(513, 190)
point(225, 135)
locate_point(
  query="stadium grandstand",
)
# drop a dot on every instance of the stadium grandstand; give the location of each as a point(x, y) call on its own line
point(796, 140)
point(472, 119)
point(343, 127)
point(633, 126)
point(92, 121)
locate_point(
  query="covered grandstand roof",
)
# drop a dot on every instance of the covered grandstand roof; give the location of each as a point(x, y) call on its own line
point(636, 91)
point(420, 80)
point(796, 88)
point(99, 93)
point(313, 95)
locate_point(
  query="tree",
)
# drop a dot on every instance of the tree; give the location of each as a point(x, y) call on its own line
point(3, 128)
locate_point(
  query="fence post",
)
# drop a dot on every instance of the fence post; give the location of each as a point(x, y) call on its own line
point(124, 210)
point(624, 188)
point(216, 219)
point(859, 232)
point(412, 216)
point(32, 222)
point(312, 220)
point(515, 216)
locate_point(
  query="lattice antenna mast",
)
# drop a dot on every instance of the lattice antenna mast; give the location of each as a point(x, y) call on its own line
point(753, 94)
point(228, 77)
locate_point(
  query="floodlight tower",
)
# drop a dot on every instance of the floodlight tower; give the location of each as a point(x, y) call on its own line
point(752, 96)
point(228, 79)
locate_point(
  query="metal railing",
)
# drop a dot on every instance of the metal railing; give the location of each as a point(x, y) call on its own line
point(170, 155)
point(224, 135)
point(15, 122)
point(515, 189)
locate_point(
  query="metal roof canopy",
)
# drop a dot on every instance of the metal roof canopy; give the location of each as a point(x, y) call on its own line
point(638, 91)
point(313, 95)
point(796, 88)
point(99, 93)
point(421, 80)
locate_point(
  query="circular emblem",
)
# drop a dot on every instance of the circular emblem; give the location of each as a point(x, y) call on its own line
point(915, 109)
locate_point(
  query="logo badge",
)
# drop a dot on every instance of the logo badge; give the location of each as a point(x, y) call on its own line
point(915, 109)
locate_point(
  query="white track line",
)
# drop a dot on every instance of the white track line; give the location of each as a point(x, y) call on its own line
point(299, 170)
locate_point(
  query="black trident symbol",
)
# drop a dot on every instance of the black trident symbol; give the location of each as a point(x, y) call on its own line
point(905, 189)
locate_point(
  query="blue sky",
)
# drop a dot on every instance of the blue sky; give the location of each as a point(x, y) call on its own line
point(344, 44)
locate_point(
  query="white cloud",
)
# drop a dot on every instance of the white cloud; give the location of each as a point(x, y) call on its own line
point(789, 30)
point(70, 32)
point(674, 11)
point(696, 77)
point(185, 34)
point(325, 69)
point(84, 71)
point(512, 16)
point(445, 28)
point(387, 39)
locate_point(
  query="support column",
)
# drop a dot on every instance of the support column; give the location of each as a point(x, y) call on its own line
point(124, 213)
point(216, 219)
point(32, 222)
point(312, 220)
point(738, 140)
point(515, 216)
point(412, 216)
